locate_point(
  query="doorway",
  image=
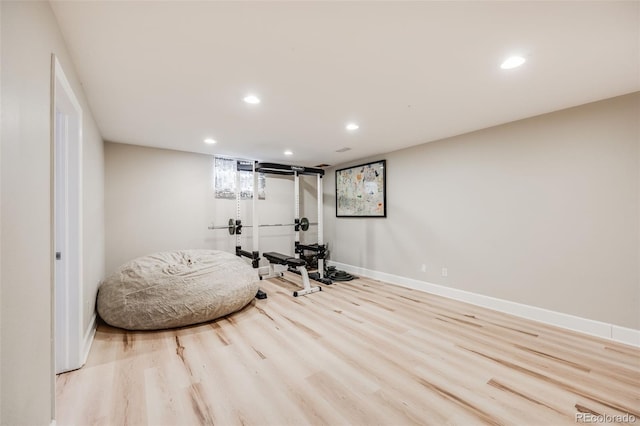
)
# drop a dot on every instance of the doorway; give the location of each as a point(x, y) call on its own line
point(67, 223)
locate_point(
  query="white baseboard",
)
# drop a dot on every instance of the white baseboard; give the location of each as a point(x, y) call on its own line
point(614, 332)
point(87, 341)
point(629, 336)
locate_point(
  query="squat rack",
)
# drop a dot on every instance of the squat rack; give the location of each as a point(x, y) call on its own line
point(235, 227)
point(255, 254)
point(296, 171)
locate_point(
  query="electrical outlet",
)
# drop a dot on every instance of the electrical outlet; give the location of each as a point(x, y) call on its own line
point(445, 272)
point(423, 268)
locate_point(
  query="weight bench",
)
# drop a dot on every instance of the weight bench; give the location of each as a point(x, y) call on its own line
point(293, 263)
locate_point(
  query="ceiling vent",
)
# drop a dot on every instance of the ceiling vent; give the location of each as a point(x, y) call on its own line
point(345, 149)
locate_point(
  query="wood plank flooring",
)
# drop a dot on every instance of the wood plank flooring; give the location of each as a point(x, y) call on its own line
point(357, 353)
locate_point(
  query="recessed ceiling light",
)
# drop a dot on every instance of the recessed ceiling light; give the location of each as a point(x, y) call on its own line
point(210, 141)
point(352, 126)
point(252, 99)
point(287, 152)
point(512, 62)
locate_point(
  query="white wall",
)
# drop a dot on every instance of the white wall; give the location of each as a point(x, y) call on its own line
point(30, 35)
point(158, 199)
point(93, 206)
point(543, 211)
point(1, 115)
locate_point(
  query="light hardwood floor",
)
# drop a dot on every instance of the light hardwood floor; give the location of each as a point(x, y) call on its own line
point(357, 353)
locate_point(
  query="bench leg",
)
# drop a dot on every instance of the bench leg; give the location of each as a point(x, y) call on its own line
point(305, 281)
point(273, 273)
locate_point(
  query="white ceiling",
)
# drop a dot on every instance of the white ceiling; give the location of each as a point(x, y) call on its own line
point(168, 74)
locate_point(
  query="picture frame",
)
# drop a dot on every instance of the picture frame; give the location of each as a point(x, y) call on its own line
point(361, 191)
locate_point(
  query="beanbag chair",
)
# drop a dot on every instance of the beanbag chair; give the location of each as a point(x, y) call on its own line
point(174, 289)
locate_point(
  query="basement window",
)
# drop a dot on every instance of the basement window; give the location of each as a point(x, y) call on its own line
point(225, 171)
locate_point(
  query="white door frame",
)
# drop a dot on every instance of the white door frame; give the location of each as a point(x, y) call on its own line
point(66, 215)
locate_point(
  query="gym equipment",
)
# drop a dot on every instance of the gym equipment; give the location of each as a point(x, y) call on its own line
point(341, 276)
point(235, 226)
point(291, 262)
point(337, 275)
point(296, 171)
point(231, 227)
point(318, 252)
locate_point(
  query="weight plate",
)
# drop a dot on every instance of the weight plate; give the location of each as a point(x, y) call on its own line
point(232, 227)
point(304, 223)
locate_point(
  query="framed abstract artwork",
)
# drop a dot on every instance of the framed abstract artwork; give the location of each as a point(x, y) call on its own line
point(361, 190)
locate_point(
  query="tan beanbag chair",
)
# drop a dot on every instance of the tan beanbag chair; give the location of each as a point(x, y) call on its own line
point(174, 289)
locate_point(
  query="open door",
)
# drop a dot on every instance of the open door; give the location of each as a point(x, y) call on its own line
point(67, 223)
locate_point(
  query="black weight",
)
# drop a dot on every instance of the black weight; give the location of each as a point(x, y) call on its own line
point(340, 276)
point(304, 223)
point(232, 227)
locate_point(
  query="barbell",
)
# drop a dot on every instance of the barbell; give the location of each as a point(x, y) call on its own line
point(235, 226)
